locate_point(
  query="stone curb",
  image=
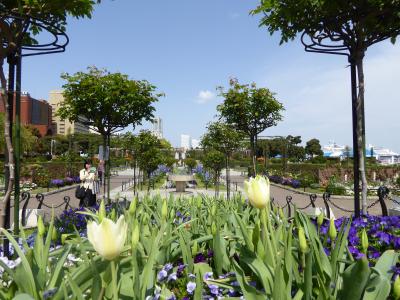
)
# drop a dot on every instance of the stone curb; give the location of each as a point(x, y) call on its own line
point(63, 189)
point(319, 195)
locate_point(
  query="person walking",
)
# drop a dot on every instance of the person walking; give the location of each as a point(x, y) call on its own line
point(88, 177)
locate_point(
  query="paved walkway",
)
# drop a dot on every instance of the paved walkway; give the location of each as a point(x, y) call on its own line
point(278, 193)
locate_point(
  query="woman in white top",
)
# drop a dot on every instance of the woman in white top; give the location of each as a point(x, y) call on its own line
point(88, 177)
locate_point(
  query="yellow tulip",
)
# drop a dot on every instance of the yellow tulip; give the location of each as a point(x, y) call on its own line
point(108, 238)
point(257, 190)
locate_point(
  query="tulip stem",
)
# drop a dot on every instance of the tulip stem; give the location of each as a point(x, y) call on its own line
point(114, 280)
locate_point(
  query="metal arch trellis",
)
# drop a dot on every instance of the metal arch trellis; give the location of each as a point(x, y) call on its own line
point(57, 44)
point(24, 46)
point(334, 44)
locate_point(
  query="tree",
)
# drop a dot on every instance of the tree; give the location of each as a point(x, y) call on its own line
point(313, 148)
point(15, 33)
point(225, 139)
point(191, 163)
point(108, 102)
point(148, 152)
point(215, 161)
point(345, 28)
point(250, 110)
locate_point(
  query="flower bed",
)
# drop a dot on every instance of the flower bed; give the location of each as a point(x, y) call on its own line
point(204, 248)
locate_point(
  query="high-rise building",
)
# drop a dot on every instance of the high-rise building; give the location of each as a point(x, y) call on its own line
point(185, 141)
point(157, 127)
point(64, 127)
point(34, 113)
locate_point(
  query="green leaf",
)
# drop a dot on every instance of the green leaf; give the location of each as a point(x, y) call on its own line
point(29, 284)
point(23, 297)
point(355, 278)
point(249, 292)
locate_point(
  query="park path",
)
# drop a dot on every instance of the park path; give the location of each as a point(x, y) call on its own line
point(301, 200)
point(57, 199)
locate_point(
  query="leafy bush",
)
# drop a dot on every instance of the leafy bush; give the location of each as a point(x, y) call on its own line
point(335, 188)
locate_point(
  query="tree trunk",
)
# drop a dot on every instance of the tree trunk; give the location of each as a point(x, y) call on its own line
point(253, 155)
point(361, 132)
point(108, 167)
point(8, 149)
point(104, 175)
point(228, 178)
point(134, 176)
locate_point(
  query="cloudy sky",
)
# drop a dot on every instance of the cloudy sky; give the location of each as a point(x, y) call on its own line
point(187, 48)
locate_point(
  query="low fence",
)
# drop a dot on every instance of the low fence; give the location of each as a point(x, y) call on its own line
point(383, 197)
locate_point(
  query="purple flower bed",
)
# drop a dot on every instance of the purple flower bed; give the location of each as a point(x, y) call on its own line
point(294, 183)
point(68, 181)
point(383, 234)
point(57, 182)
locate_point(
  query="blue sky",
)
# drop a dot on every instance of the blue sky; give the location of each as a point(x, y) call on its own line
point(187, 48)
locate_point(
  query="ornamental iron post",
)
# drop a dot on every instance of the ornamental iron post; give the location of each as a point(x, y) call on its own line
point(319, 42)
point(20, 48)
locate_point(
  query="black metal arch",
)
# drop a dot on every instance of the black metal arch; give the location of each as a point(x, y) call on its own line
point(320, 42)
point(58, 38)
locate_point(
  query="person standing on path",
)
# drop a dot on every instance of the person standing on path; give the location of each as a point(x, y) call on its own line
point(88, 176)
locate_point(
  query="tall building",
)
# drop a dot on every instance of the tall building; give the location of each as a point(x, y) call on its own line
point(185, 141)
point(157, 127)
point(34, 113)
point(64, 127)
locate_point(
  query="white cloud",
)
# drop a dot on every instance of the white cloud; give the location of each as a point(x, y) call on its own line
point(318, 101)
point(205, 96)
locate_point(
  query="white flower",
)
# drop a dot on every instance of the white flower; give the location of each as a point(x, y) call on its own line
point(108, 238)
point(258, 191)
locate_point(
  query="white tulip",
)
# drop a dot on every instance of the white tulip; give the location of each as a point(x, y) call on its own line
point(108, 238)
point(258, 191)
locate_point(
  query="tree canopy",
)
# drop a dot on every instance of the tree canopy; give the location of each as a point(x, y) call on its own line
point(360, 23)
point(107, 101)
point(313, 148)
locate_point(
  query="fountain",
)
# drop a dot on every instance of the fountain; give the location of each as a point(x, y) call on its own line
point(180, 176)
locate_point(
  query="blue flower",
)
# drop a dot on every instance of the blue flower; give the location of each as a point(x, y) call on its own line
point(172, 277)
point(162, 275)
point(208, 275)
point(213, 289)
point(168, 267)
point(190, 287)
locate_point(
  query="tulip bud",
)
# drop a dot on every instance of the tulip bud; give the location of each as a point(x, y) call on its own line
point(198, 202)
point(258, 191)
point(54, 235)
point(108, 238)
point(320, 219)
point(102, 211)
point(332, 230)
point(135, 235)
point(172, 214)
point(195, 248)
point(213, 228)
point(302, 240)
point(132, 206)
point(64, 238)
point(164, 210)
point(364, 241)
point(396, 288)
point(214, 210)
point(113, 215)
point(40, 226)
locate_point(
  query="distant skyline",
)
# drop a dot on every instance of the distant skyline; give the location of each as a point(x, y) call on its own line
point(188, 48)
